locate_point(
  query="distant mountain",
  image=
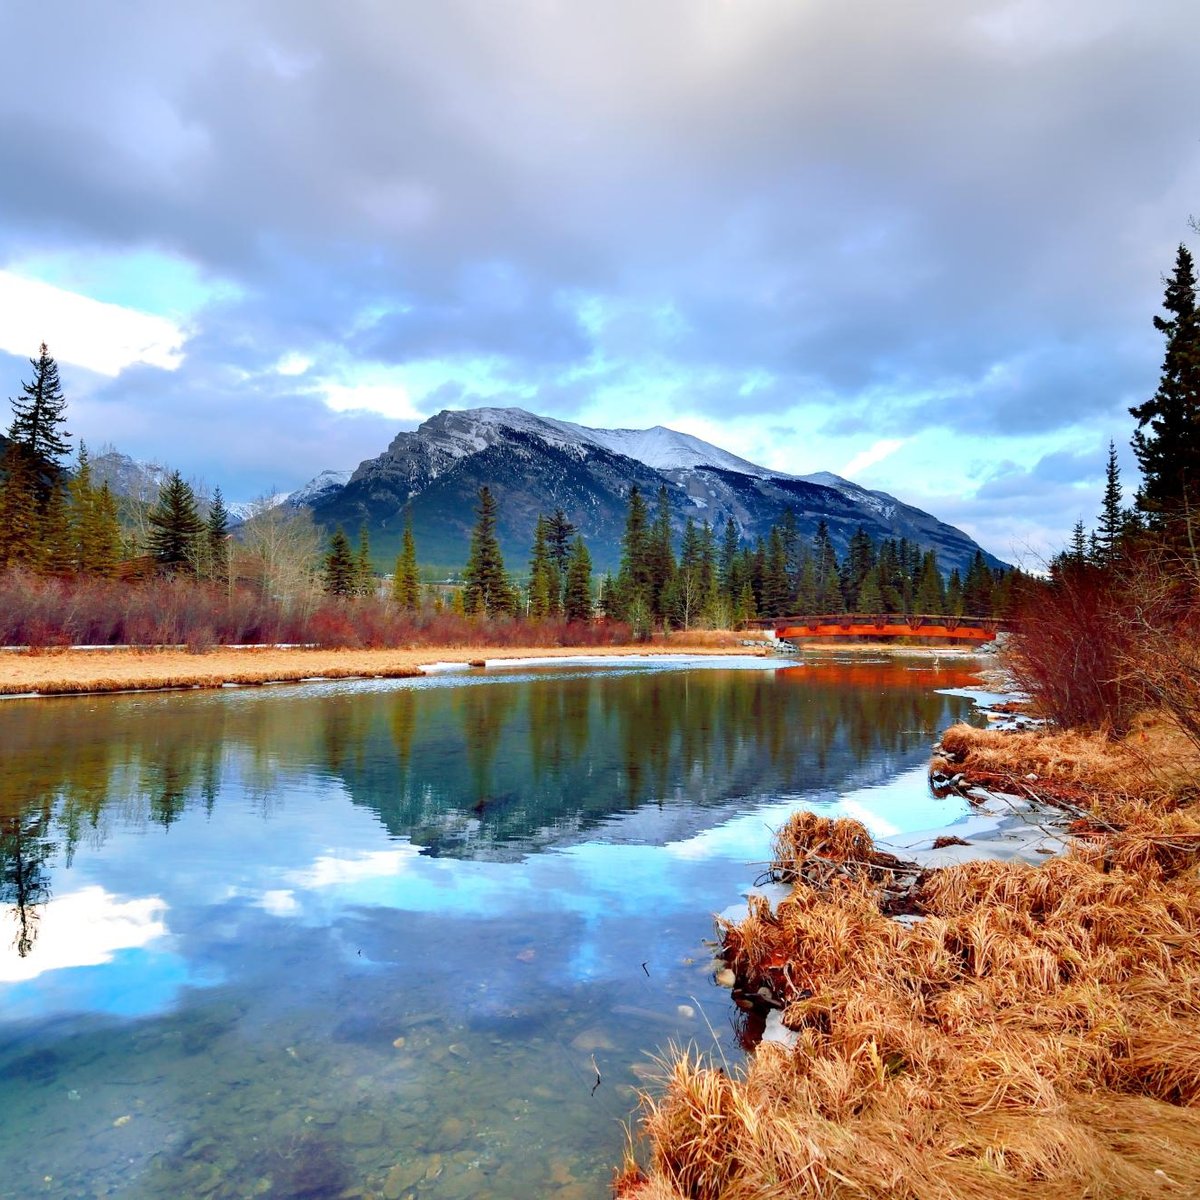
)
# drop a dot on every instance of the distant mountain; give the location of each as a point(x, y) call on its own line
point(537, 464)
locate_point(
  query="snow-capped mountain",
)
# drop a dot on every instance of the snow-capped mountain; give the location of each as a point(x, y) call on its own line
point(325, 484)
point(537, 464)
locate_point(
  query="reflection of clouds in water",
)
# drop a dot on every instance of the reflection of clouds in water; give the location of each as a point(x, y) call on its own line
point(86, 928)
point(902, 805)
point(328, 870)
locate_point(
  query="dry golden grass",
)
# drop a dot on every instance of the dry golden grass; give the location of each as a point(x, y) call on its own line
point(1155, 761)
point(75, 671)
point(1036, 1034)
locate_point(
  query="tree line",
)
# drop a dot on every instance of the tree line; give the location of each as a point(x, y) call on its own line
point(1114, 627)
point(56, 521)
point(723, 581)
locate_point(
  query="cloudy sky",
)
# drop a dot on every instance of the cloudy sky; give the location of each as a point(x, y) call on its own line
point(916, 242)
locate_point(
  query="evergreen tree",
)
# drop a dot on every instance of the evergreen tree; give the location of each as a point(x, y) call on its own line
point(1167, 439)
point(1111, 529)
point(931, 599)
point(486, 586)
point(632, 585)
point(954, 594)
point(726, 563)
point(828, 582)
point(660, 557)
point(56, 554)
point(977, 589)
point(860, 558)
point(543, 586)
point(39, 413)
point(364, 573)
point(103, 552)
point(175, 524)
point(341, 568)
point(577, 599)
point(216, 539)
point(776, 587)
point(559, 544)
point(870, 596)
point(406, 581)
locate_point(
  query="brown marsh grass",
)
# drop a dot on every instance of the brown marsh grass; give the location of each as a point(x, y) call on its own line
point(1036, 1033)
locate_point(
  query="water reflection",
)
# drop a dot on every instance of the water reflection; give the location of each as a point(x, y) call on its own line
point(347, 934)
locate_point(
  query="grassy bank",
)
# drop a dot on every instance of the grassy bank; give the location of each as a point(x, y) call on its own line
point(1023, 1031)
point(67, 672)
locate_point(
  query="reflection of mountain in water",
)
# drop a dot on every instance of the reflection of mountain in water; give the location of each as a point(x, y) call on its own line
point(491, 772)
point(485, 768)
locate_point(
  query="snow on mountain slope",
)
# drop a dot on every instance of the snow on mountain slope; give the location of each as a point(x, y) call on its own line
point(321, 485)
point(660, 448)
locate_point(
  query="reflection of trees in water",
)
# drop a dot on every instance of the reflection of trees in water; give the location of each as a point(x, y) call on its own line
point(458, 769)
point(25, 848)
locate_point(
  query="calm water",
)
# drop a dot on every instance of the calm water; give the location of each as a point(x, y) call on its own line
point(378, 938)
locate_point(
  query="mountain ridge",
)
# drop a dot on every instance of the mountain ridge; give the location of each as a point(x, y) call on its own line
point(536, 464)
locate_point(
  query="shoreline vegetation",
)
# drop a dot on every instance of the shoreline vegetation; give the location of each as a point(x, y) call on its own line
point(990, 1028)
point(85, 672)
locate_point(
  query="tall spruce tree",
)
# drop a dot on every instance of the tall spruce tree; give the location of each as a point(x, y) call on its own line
point(660, 556)
point(39, 412)
point(175, 524)
point(364, 573)
point(544, 588)
point(19, 509)
point(1111, 528)
point(341, 567)
point(630, 593)
point(406, 581)
point(1167, 439)
point(486, 586)
point(217, 543)
point(577, 596)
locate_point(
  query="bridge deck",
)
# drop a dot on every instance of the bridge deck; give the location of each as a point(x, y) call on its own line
point(834, 626)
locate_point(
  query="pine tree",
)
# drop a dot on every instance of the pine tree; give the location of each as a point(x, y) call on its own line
point(954, 594)
point(726, 563)
point(217, 539)
point(977, 588)
point(931, 599)
point(364, 573)
point(341, 568)
point(632, 586)
point(406, 582)
point(39, 413)
point(860, 558)
point(577, 598)
point(1167, 439)
point(543, 585)
point(56, 554)
point(660, 557)
point(486, 586)
point(776, 588)
point(104, 548)
point(175, 524)
point(1111, 528)
point(828, 581)
point(559, 534)
point(869, 598)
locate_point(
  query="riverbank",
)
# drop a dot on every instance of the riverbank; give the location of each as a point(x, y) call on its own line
point(980, 1028)
point(77, 672)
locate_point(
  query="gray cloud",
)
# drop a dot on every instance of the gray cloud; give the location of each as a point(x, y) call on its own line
point(969, 202)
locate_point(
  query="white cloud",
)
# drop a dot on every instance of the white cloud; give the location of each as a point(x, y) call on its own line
point(293, 363)
point(327, 871)
point(279, 902)
point(388, 399)
point(873, 454)
point(84, 929)
point(105, 338)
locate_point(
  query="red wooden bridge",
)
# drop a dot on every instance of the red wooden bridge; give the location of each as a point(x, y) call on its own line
point(844, 626)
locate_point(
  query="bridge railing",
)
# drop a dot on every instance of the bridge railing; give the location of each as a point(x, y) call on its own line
point(913, 621)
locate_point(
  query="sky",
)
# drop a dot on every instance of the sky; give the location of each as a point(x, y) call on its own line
point(915, 242)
